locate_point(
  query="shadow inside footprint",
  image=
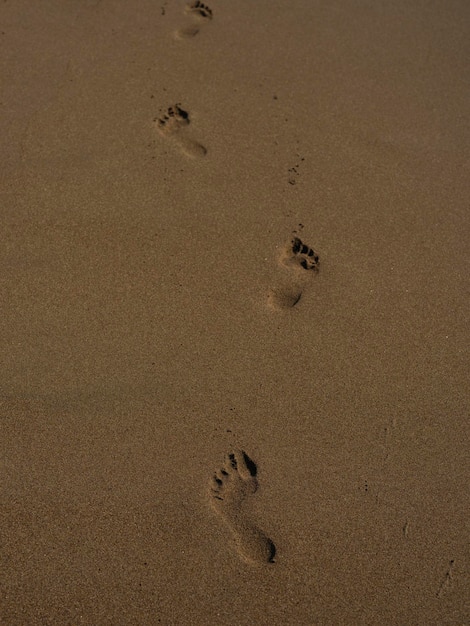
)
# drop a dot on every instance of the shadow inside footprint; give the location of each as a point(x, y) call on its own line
point(229, 489)
point(284, 298)
point(250, 465)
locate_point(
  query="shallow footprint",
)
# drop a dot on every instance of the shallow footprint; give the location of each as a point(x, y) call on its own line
point(199, 14)
point(173, 124)
point(229, 488)
point(304, 262)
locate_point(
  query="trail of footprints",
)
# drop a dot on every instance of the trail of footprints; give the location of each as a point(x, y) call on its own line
point(229, 490)
point(232, 486)
point(173, 124)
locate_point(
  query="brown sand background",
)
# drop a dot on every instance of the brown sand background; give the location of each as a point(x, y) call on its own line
point(137, 344)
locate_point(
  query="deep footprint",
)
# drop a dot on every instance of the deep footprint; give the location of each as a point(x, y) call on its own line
point(298, 254)
point(304, 261)
point(173, 125)
point(229, 488)
point(199, 13)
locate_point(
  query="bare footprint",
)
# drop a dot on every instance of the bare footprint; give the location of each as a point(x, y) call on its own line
point(297, 254)
point(303, 261)
point(199, 14)
point(173, 124)
point(229, 488)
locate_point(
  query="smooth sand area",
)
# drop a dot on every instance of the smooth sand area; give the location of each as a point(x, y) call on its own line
point(234, 313)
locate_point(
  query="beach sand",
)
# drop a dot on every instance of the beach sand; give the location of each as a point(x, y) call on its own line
point(234, 313)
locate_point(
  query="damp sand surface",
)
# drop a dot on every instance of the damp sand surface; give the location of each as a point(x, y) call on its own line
point(234, 313)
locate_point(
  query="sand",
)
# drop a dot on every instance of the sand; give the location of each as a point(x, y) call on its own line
point(234, 313)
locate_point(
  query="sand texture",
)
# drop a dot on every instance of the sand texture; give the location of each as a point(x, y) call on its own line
point(234, 313)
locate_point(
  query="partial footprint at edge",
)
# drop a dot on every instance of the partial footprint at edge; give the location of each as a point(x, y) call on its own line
point(229, 489)
point(304, 262)
point(173, 126)
point(199, 14)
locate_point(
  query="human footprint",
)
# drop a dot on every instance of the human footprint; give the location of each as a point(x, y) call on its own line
point(229, 488)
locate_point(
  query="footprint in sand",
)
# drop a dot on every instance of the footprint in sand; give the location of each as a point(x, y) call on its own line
point(304, 262)
point(229, 488)
point(199, 14)
point(173, 126)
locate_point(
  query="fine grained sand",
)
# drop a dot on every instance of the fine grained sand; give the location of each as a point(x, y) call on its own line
point(166, 171)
